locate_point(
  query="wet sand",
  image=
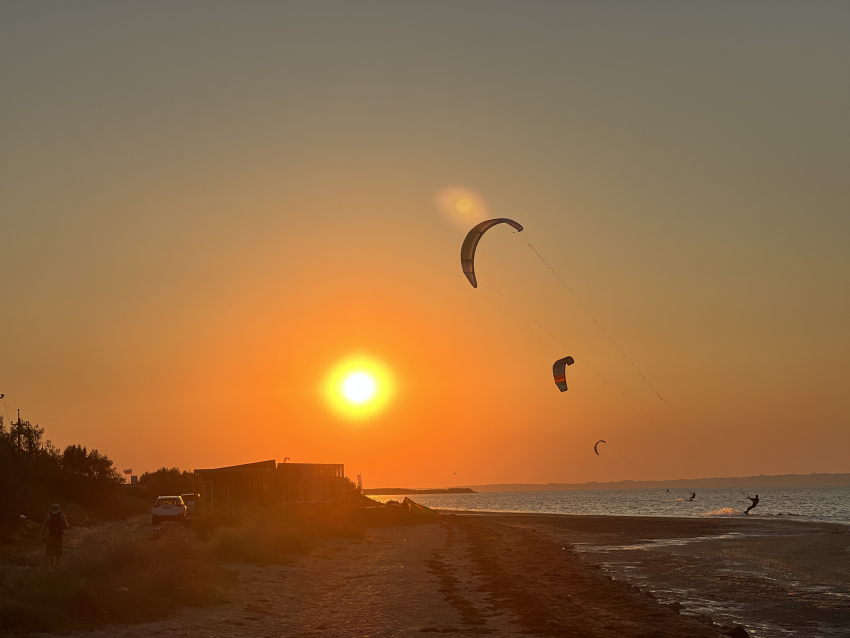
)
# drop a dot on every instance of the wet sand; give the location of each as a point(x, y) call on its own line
point(543, 575)
point(775, 577)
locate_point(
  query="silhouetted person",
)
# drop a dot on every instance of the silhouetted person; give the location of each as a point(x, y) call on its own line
point(52, 529)
point(693, 496)
point(755, 502)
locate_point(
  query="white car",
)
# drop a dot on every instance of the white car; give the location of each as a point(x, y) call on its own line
point(168, 508)
point(190, 500)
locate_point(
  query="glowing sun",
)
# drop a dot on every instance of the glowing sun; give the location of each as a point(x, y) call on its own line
point(359, 387)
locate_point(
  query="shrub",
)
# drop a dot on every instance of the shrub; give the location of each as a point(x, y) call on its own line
point(251, 534)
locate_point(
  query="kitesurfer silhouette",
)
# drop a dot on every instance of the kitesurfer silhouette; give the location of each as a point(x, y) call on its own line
point(755, 502)
point(693, 496)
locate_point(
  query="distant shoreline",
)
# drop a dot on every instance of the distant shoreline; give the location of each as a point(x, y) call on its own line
point(392, 491)
point(762, 480)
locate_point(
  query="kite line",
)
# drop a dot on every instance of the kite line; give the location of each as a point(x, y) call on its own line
point(598, 324)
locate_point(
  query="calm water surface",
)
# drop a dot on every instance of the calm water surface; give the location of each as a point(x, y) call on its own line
point(803, 503)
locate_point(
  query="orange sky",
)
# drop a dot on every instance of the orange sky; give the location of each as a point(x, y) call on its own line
point(202, 212)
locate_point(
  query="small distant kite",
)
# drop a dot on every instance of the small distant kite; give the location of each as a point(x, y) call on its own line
point(597, 445)
point(559, 371)
point(467, 251)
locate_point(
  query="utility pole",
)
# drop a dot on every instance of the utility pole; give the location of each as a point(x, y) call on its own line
point(18, 431)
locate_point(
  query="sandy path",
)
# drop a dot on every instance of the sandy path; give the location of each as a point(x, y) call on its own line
point(80, 540)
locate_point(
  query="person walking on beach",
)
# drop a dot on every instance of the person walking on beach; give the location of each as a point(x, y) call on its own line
point(52, 529)
point(755, 502)
point(693, 496)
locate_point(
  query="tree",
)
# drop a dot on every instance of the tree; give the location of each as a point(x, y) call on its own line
point(88, 478)
point(29, 469)
point(168, 482)
point(33, 474)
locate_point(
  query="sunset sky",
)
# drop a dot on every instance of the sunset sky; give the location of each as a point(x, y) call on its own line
point(207, 208)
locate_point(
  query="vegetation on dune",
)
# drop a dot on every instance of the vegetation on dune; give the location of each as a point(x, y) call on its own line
point(249, 534)
point(34, 474)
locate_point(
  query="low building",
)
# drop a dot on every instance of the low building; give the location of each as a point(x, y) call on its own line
point(311, 482)
point(247, 483)
point(267, 482)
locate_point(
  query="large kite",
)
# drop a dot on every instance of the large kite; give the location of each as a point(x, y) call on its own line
point(559, 371)
point(597, 444)
point(467, 251)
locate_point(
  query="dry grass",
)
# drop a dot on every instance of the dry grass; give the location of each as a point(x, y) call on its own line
point(126, 582)
point(268, 535)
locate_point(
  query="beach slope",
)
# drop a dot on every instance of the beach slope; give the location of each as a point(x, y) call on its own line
point(537, 575)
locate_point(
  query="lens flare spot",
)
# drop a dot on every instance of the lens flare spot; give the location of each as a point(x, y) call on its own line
point(461, 206)
point(464, 205)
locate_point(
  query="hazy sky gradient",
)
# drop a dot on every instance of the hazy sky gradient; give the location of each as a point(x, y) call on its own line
point(205, 206)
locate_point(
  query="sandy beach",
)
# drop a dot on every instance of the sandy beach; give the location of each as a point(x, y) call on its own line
point(543, 575)
point(387, 319)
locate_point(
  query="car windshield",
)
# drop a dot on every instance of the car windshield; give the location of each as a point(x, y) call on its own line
point(167, 501)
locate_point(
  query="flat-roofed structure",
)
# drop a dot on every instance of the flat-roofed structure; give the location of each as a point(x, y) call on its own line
point(267, 482)
point(311, 482)
point(247, 483)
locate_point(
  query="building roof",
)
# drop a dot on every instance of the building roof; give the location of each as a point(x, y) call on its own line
point(259, 466)
point(280, 465)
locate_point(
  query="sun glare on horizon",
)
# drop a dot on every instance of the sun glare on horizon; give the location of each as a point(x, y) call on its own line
point(359, 387)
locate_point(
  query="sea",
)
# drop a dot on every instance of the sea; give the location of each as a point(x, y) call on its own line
point(824, 504)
